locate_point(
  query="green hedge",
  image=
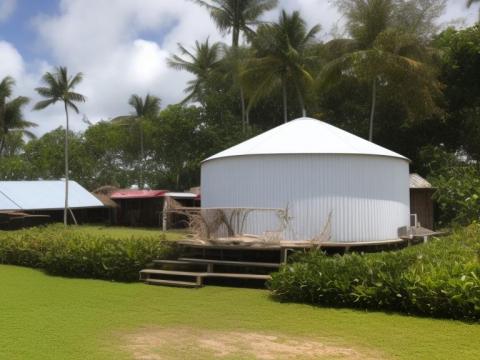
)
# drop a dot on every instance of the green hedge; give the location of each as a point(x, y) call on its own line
point(65, 252)
point(441, 278)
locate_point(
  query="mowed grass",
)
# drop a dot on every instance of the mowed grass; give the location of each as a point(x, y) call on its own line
point(46, 317)
point(127, 232)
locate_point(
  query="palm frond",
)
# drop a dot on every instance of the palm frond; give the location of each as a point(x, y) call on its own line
point(44, 104)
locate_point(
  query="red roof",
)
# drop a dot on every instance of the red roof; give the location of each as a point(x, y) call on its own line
point(137, 194)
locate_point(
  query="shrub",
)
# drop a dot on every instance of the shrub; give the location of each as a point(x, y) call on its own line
point(441, 278)
point(64, 252)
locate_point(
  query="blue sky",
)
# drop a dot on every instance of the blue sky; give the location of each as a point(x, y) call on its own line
point(18, 28)
point(122, 47)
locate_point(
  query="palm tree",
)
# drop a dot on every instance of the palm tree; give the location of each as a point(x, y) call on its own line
point(237, 16)
point(144, 109)
point(232, 66)
point(59, 87)
point(11, 115)
point(378, 47)
point(281, 57)
point(201, 63)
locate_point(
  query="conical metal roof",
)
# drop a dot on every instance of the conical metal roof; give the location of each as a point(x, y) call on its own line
point(306, 136)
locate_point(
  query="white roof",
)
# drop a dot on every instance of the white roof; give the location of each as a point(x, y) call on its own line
point(187, 195)
point(44, 195)
point(306, 136)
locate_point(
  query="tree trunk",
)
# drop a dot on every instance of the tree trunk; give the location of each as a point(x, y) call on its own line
point(284, 93)
point(242, 100)
point(3, 105)
point(372, 110)
point(142, 156)
point(301, 102)
point(65, 210)
point(236, 24)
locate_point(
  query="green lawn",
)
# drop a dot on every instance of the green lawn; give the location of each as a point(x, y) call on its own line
point(45, 317)
point(127, 232)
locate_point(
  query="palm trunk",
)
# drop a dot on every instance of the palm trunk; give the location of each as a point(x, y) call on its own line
point(3, 105)
point(236, 24)
point(2, 145)
point(142, 156)
point(242, 100)
point(65, 210)
point(284, 93)
point(301, 102)
point(372, 110)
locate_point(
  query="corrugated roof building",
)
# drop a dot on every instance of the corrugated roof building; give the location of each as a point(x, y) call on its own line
point(321, 174)
point(44, 195)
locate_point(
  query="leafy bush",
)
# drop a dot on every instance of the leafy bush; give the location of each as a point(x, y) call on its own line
point(63, 252)
point(441, 278)
point(457, 183)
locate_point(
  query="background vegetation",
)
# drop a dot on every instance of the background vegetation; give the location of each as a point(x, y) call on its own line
point(395, 76)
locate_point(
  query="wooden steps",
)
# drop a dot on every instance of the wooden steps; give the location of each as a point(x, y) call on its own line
point(230, 263)
point(244, 266)
point(146, 275)
point(183, 278)
point(172, 283)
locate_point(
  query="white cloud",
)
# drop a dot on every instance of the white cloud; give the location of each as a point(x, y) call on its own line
point(122, 47)
point(12, 62)
point(7, 7)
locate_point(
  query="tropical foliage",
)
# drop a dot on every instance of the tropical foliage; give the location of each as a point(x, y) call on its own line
point(440, 279)
point(237, 16)
point(68, 252)
point(12, 122)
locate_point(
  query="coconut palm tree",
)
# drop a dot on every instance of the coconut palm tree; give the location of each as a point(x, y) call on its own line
point(281, 56)
point(237, 16)
point(147, 108)
point(233, 65)
point(378, 48)
point(11, 115)
point(59, 87)
point(202, 62)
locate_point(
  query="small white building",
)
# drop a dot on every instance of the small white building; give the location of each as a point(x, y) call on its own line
point(318, 172)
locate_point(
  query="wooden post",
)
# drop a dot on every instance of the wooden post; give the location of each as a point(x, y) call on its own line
point(164, 215)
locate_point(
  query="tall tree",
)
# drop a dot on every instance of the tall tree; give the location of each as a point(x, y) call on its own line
point(281, 55)
point(201, 63)
point(11, 114)
point(237, 16)
point(147, 108)
point(383, 52)
point(233, 65)
point(59, 87)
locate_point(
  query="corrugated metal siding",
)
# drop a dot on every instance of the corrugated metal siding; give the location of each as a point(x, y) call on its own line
point(368, 196)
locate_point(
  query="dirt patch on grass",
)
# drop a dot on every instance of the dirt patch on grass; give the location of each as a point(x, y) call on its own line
point(187, 343)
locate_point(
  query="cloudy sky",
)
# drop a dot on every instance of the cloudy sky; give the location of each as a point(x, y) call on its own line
point(121, 46)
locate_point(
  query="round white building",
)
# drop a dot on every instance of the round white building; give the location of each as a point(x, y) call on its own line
point(318, 172)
